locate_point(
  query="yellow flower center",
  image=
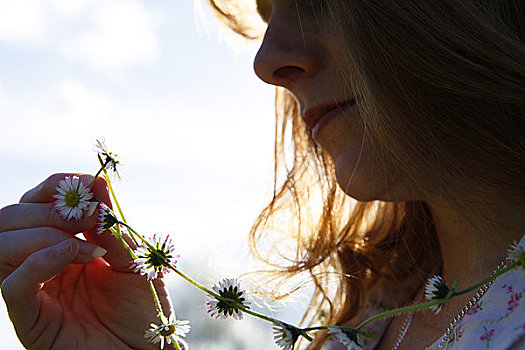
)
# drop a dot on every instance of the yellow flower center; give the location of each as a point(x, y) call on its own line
point(71, 198)
point(167, 330)
point(522, 260)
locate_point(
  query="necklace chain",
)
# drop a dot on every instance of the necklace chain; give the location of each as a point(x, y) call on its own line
point(475, 299)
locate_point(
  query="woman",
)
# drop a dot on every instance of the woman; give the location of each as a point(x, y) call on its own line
point(413, 108)
point(418, 108)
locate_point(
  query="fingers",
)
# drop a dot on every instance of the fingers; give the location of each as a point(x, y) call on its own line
point(117, 256)
point(16, 246)
point(44, 192)
point(27, 215)
point(36, 209)
point(20, 288)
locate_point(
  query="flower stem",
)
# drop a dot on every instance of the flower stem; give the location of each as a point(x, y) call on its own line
point(399, 311)
point(100, 170)
point(488, 279)
point(135, 233)
point(195, 283)
point(118, 235)
point(158, 306)
point(113, 196)
point(254, 313)
point(228, 300)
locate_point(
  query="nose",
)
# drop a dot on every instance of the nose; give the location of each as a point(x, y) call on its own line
point(286, 54)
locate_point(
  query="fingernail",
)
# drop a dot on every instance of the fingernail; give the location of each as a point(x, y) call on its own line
point(64, 247)
point(90, 210)
point(98, 252)
point(88, 179)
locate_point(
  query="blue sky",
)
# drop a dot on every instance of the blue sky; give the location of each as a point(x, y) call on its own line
point(174, 97)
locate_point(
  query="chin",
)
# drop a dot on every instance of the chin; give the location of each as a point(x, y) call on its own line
point(361, 183)
point(353, 175)
point(353, 184)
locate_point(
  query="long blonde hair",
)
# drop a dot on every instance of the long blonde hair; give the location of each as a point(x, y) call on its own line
point(443, 94)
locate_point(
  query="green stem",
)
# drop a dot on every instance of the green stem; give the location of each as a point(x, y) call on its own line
point(132, 235)
point(158, 306)
point(160, 313)
point(232, 302)
point(253, 313)
point(195, 283)
point(100, 170)
point(113, 196)
point(400, 311)
point(306, 335)
point(452, 293)
point(488, 279)
point(118, 235)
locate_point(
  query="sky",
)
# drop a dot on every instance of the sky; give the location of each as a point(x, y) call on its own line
point(176, 99)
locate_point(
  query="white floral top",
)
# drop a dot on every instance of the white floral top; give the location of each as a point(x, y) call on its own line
point(496, 322)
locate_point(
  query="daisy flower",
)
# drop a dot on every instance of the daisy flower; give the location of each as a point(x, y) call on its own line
point(168, 331)
point(346, 337)
point(109, 159)
point(72, 198)
point(150, 263)
point(285, 335)
point(220, 309)
point(436, 289)
point(517, 252)
point(106, 219)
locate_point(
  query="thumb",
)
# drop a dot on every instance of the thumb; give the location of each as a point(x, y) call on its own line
point(20, 289)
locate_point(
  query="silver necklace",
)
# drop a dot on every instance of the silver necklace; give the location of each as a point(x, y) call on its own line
point(473, 301)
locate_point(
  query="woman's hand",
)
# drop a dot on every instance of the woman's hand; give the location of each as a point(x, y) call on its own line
point(59, 293)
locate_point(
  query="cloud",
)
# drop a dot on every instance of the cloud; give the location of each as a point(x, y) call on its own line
point(66, 114)
point(106, 35)
point(123, 34)
point(23, 22)
point(68, 8)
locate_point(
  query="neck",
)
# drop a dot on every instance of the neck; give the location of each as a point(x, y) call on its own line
point(474, 241)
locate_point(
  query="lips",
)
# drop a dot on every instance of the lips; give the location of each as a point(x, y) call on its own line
point(317, 117)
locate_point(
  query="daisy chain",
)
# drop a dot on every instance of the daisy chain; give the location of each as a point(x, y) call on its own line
point(345, 337)
point(168, 331)
point(106, 219)
point(109, 159)
point(228, 288)
point(436, 289)
point(150, 263)
point(285, 335)
point(73, 198)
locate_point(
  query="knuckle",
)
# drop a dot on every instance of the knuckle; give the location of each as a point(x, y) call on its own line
point(54, 178)
point(5, 214)
point(47, 213)
point(8, 287)
point(4, 273)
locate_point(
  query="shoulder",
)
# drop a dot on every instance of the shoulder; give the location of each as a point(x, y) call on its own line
point(497, 321)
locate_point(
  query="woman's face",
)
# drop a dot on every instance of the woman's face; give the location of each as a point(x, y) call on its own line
point(302, 52)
